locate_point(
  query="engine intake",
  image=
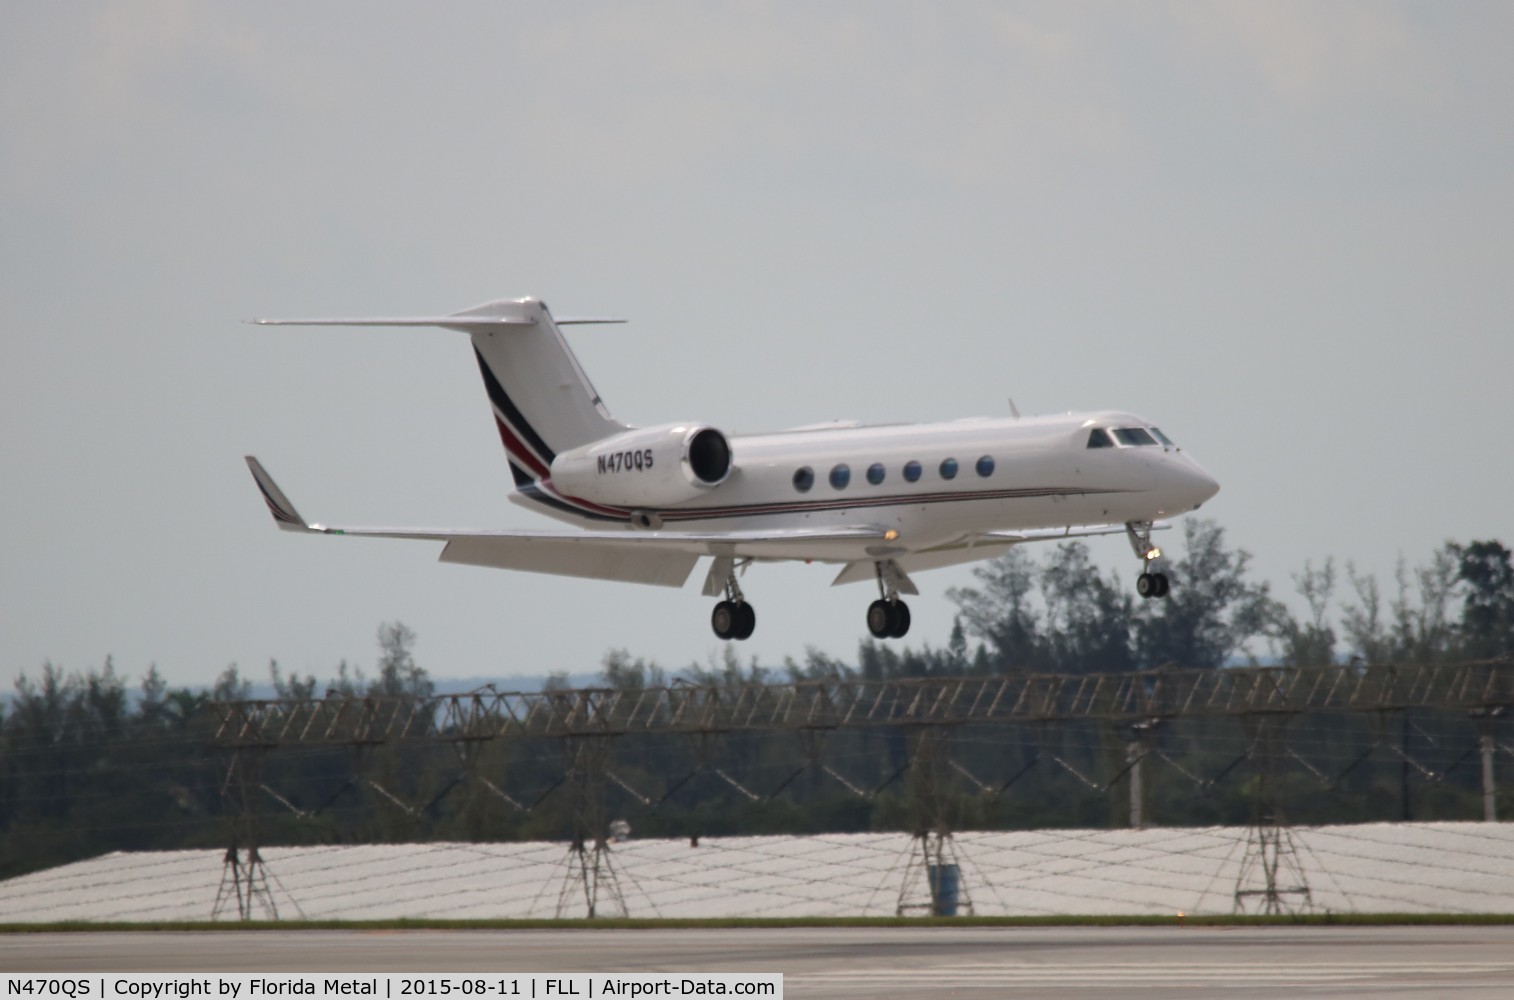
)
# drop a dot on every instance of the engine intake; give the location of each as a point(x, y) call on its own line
point(709, 456)
point(649, 467)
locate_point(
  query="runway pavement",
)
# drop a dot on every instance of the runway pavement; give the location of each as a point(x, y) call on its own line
point(835, 963)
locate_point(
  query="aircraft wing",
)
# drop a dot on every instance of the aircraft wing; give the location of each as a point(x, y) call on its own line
point(665, 558)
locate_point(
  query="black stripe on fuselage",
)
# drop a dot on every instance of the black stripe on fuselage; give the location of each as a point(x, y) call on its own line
point(507, 409)
point(521, 476)
point(855, 502)
point(533, 491)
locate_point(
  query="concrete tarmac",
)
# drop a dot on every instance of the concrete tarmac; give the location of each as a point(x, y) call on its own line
point(837, 963)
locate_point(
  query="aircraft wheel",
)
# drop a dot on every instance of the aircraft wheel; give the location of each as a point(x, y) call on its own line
point(901, 620)
point(1146, 585)
point(724, 620)
point(746, 621)
point(880, 619)
point(1162, 585)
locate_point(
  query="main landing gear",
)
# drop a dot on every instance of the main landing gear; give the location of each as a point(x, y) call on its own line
point(733, 618)
point(1148, 584)
point(888, 617)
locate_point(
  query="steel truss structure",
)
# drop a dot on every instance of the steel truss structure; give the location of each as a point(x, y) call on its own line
point(589, 721)
point(1030, 698)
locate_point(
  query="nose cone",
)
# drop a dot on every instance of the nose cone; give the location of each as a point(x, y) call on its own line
point(1198, 484)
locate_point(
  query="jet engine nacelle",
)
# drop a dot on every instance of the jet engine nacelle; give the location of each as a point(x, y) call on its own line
point(648, 467)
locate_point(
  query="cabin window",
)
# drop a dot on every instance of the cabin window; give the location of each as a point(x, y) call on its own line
point(804, 478)
point(1162, 437)
point(1099, 438)
point(1133, 435)
point(912, 471)
point(875, 473)
point(985, 466)
point(949, 468)
point(840, 476)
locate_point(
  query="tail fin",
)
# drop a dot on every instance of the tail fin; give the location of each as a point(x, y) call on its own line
point(543, 402)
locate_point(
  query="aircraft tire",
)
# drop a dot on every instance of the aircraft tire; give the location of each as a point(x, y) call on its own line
point(1162, 585)
point(1146, 585)
point(880, 619)
point(724, 620)
point(901, 621)
point(746, 621)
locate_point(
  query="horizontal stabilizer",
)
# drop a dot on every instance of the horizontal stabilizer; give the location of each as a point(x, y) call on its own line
point(455, 322)
point(488, 316)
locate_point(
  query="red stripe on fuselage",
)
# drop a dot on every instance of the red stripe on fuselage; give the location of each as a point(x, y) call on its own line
point(519, 451)
point(621, 512)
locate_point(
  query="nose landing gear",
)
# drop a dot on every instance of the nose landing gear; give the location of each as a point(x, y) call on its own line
point(1148, 584)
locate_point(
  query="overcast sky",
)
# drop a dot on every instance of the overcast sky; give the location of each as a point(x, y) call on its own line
point(1280, 231)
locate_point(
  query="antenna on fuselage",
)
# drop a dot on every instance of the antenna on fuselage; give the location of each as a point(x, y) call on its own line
point(1013, 408)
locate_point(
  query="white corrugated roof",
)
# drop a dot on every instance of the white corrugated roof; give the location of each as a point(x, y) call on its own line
point(1368, 868)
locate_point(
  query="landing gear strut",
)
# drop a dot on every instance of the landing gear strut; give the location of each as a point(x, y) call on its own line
point(1148, 584)
point(888, 617)
point(733, 618)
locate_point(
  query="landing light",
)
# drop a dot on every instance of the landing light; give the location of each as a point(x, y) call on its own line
point(1153, 553)
point(891, 535)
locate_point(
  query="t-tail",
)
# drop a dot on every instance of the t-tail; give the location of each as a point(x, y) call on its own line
point(542, 401)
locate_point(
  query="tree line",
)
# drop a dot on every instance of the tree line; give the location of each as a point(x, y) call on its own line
point(90, 764)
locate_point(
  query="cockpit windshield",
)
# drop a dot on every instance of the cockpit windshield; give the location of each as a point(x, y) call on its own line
point(1127, 437)
point(1133, 435)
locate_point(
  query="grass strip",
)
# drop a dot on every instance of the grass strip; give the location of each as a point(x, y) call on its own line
point(1174, 920)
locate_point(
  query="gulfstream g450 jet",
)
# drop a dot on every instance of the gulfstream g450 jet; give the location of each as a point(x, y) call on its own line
point(880, 502)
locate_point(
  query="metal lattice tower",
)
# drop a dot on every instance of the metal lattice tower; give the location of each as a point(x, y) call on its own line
point(932, 852)
point(244, 882)
point(591, 867)
point(1271, 877)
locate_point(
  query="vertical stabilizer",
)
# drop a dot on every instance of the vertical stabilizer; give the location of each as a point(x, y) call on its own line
point(543, 402)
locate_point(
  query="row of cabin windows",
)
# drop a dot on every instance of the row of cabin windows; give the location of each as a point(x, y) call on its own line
point(1100, 438)
point(841, 473)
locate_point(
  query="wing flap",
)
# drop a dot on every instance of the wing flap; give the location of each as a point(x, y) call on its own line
point(565, 557)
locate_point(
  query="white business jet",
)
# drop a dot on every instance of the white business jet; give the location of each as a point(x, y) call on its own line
point(880, 501)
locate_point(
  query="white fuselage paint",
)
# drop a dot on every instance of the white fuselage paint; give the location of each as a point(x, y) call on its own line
point(1044, 476)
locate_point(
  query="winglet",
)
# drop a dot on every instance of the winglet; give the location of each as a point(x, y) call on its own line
point(279, 506)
